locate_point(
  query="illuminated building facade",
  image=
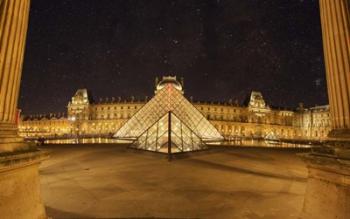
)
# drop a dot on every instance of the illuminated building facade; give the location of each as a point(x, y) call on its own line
point(257, 120)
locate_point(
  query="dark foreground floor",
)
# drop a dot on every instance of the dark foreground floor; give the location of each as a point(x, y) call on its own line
point(109, 181)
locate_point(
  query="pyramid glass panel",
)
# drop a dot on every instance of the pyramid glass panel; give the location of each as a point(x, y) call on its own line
point(156, 138)
point(148, 128)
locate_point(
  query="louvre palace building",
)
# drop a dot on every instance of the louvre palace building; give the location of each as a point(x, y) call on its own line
point(109, 118)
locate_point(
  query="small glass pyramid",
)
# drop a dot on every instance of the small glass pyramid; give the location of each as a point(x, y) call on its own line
point(169, 135)
point(149, 128)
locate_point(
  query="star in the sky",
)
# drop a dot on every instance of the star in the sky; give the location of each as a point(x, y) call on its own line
point(243, 45)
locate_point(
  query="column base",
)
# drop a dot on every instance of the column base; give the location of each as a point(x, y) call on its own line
point(20, 186)
point(339, 134)
point(328, 186)
point(10, 141)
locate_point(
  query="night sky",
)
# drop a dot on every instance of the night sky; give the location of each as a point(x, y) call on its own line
point(223, 49)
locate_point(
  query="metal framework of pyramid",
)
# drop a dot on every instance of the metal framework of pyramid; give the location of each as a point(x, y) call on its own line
point(168, 135)
point(169, 123)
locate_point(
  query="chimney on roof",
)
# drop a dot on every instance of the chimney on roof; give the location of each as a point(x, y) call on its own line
point(156, 81)
point(301, 106)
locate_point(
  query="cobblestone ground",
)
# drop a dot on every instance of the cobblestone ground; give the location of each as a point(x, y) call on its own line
point(111, 181)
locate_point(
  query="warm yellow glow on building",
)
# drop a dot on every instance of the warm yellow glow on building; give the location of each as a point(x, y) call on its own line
point(85, 119)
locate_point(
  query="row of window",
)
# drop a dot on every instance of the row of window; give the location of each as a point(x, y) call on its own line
point(114, 107)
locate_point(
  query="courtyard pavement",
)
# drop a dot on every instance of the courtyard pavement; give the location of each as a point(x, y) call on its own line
point(111, 181)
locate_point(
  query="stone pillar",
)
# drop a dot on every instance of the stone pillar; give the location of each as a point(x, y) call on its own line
point(19, 178)
point(335, 19)
point(13, 29)
point(328, 187)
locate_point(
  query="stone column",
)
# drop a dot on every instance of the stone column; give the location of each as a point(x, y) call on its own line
point(19, 178)
point(335, 19)
point(328, 187)
point(13, 29)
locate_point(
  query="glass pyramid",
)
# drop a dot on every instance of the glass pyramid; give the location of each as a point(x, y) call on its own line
point(154, 114)
point(169, 135)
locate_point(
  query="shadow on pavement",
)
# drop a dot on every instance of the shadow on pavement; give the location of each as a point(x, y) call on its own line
point(58, 214)
point(222, 167)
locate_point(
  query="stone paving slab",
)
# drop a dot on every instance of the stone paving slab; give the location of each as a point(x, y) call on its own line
point(111, 181)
